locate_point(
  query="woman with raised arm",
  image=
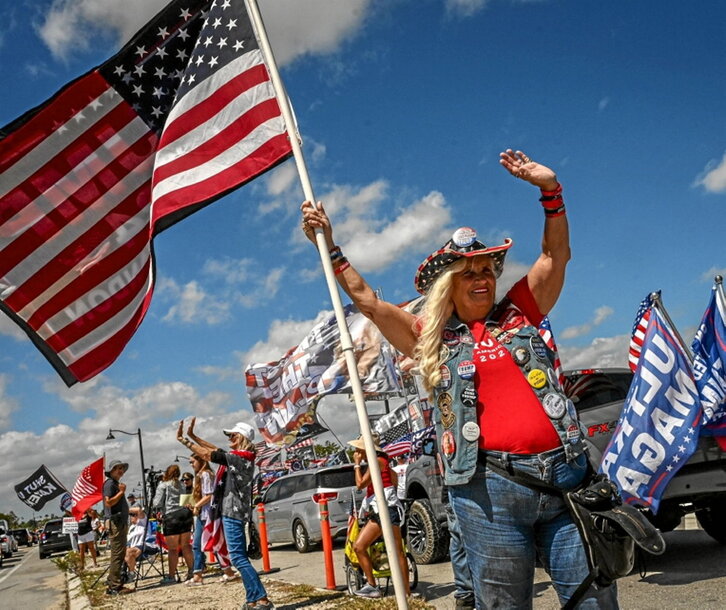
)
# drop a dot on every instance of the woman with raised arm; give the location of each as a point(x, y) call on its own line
point(238, 464)
point(499, 409)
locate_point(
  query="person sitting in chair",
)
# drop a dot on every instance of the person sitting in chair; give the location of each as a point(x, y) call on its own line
point(138, 532)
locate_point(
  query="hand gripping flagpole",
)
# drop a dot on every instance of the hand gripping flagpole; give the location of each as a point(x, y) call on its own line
point(345, 338)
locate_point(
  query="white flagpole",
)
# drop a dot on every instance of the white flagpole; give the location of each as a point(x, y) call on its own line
point(345, 338)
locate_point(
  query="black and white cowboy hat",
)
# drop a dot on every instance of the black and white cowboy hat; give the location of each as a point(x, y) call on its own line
point(463, 243)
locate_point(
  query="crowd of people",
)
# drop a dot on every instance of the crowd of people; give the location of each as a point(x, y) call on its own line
point(199, 512)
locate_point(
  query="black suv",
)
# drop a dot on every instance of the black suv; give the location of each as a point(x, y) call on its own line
point(23, 536)
point(53, 540)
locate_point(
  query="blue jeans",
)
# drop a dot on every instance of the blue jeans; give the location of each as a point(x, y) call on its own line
point(234, 532)
point(504, 525)
point(200, 560)
point(462, 575)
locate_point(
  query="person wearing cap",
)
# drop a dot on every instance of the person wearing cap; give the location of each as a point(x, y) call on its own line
point(132, 501)
point(116, 511)
point(236, 469)
point(368, 513)
point(499, 406)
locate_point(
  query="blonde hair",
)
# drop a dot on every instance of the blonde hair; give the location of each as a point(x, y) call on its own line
point(437, 309)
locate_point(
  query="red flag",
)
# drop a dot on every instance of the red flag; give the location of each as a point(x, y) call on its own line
point(88, 489)
point(184, 113)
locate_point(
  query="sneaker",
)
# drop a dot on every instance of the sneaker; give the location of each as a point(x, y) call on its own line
point(167, 580)
point(118, 591)
point(258, 606)
point(465, 602)
point(368, 591)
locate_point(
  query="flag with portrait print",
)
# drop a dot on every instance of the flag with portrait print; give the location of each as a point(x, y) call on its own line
point(182, 115)
point(284, 393)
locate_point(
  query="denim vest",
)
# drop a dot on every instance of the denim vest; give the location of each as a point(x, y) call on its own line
point(455, 397)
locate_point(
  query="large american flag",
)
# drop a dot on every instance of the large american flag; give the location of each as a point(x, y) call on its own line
point(184, 113)
point(88, 489)
point(637, 336)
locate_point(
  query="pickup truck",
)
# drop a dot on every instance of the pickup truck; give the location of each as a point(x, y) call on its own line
point(598, 395)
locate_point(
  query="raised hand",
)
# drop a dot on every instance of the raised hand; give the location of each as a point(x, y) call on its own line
point(180, 431)
point(521, 166)
point(190, 428)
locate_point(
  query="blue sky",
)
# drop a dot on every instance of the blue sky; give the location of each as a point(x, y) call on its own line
point(403, 106)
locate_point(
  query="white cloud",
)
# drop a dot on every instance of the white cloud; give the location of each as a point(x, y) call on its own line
point(7, 403)
point(374, 241)
point(707, 276)
point(155, 409)
point(603, 103)
point(68, 24)
point(601, 314)
point(293, 25)
point(713, 176)
point(465, 8)
point(9, 328)
point(193, 304)
point(602, 352)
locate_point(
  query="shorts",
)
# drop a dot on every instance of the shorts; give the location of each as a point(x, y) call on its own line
point(396, 516)
point(86, 538)
point(178, 521)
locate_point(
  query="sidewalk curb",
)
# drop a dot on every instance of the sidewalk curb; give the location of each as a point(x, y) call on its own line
point(77, 599)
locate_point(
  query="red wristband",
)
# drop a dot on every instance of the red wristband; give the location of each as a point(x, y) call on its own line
point(342, 268)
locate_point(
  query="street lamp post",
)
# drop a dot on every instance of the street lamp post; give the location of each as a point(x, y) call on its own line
point(110, 437)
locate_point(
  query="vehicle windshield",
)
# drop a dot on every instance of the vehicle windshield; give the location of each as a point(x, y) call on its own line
point(337, 478)
point(54, 527)
point(592, 389)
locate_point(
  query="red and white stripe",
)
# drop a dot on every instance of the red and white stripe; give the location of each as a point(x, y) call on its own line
point(636, 340)
point(88, 489)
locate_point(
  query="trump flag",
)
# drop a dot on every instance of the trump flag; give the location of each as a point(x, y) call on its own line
point(184, 113)
point(709, 364)
point(659, 426)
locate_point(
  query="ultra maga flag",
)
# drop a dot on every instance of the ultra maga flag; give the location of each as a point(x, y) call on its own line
point(184, 113)
point(283, 392)
point(709, 364)
point(659, 426)
point(88, 489)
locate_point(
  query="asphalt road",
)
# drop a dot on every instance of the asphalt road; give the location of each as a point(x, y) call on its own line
point(691, 574)
point(28, 582)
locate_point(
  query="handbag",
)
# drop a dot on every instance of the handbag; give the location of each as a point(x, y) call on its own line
point(610, 531)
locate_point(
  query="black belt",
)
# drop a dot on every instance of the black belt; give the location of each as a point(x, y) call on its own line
point(504, 468)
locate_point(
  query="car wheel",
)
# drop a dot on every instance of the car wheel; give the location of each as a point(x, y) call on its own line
point(710, 518)
point(412, 571)
point(8, 555)
point(301, 537)
point(43, 555)
point(426, 539)
point(353, 578)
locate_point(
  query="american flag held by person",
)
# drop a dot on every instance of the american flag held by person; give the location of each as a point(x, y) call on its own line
point(183, 114)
